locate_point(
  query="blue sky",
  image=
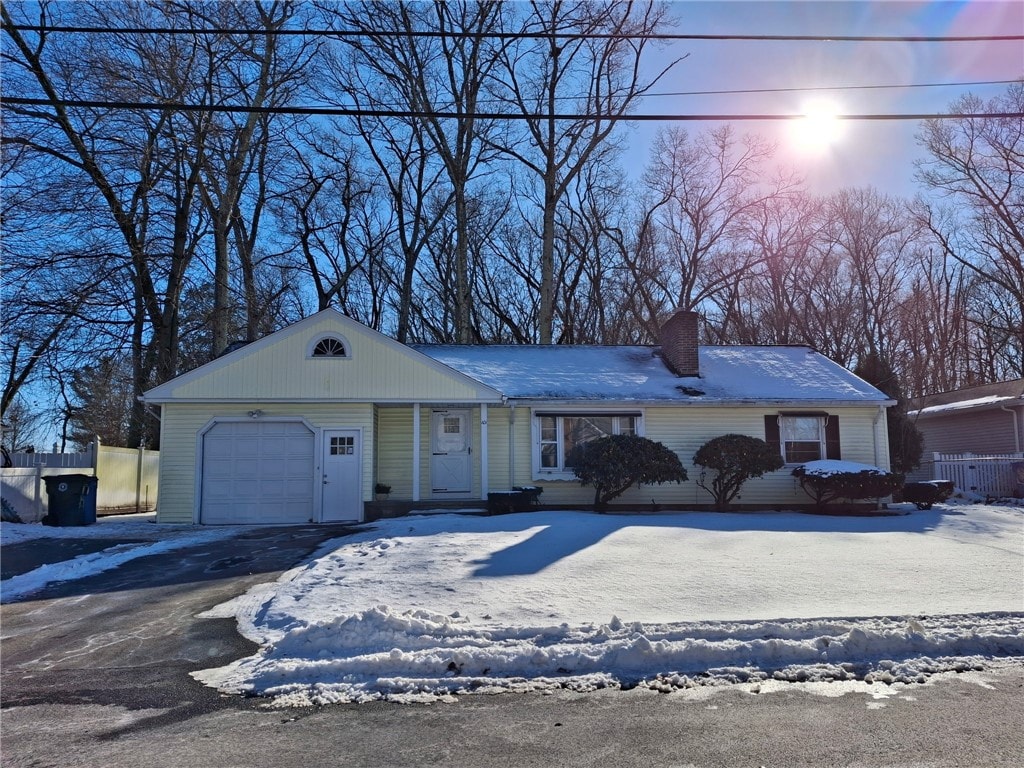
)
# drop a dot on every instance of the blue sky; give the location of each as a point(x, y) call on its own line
point(880, 154)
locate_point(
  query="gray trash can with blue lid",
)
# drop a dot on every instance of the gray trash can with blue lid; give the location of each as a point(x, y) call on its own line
point(72, 500)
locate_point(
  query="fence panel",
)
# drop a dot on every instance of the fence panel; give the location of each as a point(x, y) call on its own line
point(128, 479)
point(984, 475)
point(23, 488)
point(55, 460)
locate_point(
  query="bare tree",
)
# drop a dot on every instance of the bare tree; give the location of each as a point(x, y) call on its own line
point(599, 77)
point(977, 164)
point(690, 240)
point(433, 76)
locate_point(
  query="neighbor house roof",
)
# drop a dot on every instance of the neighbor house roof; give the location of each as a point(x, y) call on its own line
point(728, 374)
point(998, 394)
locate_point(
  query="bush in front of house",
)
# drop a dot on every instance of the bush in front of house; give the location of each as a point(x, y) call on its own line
point(830, 480)
point(614, 463)
point(735, 459)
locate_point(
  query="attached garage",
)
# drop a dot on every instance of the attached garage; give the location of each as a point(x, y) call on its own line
point(257, 472)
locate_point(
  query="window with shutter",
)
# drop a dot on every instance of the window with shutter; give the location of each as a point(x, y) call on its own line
point(803, 437)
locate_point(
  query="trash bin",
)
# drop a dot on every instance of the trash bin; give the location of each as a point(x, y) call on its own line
point(72, 500)
point(1018, 476)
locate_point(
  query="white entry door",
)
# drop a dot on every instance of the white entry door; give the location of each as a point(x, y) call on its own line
point(450, 469)
point(342, 476)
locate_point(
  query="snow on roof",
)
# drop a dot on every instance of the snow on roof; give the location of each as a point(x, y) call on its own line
point(964, 404)
point(638, 374)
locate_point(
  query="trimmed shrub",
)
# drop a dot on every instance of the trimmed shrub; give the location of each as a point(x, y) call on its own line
point(827, 481)
point(614, 463)
point(735, 459)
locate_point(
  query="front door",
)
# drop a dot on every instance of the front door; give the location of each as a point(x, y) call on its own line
point(450, 469)
point(342, 476)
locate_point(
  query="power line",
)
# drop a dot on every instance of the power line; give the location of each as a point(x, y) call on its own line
point(824, 88)
point(522, 35)
point(359, 112)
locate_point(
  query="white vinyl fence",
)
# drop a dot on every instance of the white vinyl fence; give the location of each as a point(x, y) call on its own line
point(990, 475)
point(127, 479)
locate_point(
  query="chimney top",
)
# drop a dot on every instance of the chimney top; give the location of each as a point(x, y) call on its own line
point(678, 339)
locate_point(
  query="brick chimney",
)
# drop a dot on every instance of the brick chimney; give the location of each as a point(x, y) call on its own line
point(678, 339)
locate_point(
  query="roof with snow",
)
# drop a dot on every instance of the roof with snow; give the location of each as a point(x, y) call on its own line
point(1001, 393)
point(783, 374)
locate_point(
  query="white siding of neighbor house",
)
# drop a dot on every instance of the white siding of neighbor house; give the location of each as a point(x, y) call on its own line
point(375, 367)
point(181, 424)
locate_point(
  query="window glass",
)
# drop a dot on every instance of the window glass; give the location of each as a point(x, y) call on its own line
point(329, 347)
point(583, 429)
point(560, 434)
point(549, 442)
point(343, 446)
point(803, 438)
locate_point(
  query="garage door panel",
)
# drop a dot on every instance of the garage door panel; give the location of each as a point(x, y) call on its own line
point(258, 472)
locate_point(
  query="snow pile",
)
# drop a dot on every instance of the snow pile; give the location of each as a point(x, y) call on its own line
point(829, 467)
point(420, 656)
point(427, 608)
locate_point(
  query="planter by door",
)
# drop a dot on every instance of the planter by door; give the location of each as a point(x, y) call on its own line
point(451, 472)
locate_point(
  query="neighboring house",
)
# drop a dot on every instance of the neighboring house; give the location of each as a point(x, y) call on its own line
point(301, 425)
point(986, 420)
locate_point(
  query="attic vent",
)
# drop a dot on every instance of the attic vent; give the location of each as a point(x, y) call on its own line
point(690, 391)
point(329, 347)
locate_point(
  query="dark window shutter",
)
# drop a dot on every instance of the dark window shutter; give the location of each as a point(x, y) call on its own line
point(771, 433)
point(832, 437)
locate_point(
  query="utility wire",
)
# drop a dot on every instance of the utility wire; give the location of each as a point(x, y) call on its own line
point(823, 88)
point(359, 112)
point(520, 35)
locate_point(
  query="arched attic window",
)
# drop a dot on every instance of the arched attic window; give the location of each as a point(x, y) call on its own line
point(331, 347)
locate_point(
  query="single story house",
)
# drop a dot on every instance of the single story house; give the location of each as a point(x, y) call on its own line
point(301, 425)
point(983, 420)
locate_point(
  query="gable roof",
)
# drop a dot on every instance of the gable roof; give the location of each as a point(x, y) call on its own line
point(729, 374)
point(279, 367)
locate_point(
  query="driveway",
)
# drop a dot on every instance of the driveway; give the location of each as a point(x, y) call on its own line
point(128, 636)
point(96, 673)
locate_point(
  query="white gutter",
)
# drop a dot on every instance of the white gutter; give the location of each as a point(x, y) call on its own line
point(511, 444)
point(878, 417)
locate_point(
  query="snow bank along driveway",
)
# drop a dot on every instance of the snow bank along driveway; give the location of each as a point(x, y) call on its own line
point(421, 608)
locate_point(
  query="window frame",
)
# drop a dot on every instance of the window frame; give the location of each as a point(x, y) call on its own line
point(560, 471)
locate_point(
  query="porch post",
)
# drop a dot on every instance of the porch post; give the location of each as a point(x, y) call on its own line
point(484, 479)
point(415, 451)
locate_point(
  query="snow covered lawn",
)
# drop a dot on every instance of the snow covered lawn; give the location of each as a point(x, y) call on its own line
point(420, 608)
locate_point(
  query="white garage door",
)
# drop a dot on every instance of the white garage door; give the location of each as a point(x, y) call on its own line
point(257, 472)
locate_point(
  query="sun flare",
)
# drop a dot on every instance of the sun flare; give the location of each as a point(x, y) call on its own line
point(819, 128)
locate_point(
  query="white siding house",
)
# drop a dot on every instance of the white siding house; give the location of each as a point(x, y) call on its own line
point(302, 425)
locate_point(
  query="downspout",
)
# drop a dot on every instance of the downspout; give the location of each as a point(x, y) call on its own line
point(1016, 427)
point(878, 452)
point(511, 444)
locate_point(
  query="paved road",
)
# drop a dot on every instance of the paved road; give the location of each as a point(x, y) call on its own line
point(95, 673)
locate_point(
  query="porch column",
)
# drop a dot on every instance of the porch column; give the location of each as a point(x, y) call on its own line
point(484, 479)
point(415, 451)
